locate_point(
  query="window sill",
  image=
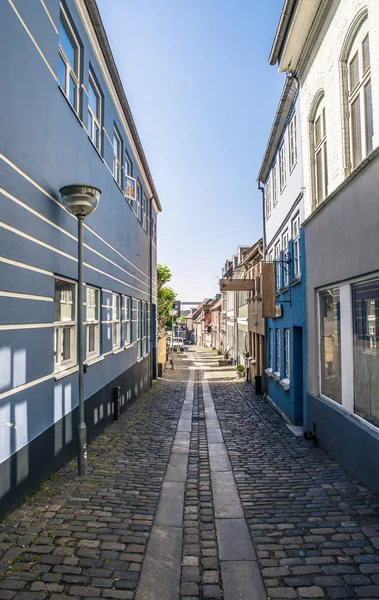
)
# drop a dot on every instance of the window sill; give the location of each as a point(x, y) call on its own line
point(118, 350)
point(139, 359)
point(296, 280)
point(65, 373)
point(93, 361)
point(268, 372)
point(95, 147)
point(276, 375)
point(127, 346)
point(285, 383)
point(284, 289)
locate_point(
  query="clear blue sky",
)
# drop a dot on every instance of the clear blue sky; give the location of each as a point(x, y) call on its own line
point(203, 97)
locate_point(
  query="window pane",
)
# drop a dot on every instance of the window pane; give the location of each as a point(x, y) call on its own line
point(366, 53)
point(319, 177)
point(66, 42)
point(368, 117)
point(96, 131)
point(64, 302)
point(61, 72)
point(66, 343)
point(325, 170)
point(91, 338)
point(366, 350)
point(318, 131)
point(330, 344)
point(116, 146)
point(92, 304)
point(278, 350)
point(356, 132)
point(93, 100)
point(354, 72)
point(56, 343)
point(72, 92)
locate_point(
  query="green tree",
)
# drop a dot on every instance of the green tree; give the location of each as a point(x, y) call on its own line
point(166, 295)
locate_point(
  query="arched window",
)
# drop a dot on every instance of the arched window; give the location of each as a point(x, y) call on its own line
point(318, 150)
point(360, 97)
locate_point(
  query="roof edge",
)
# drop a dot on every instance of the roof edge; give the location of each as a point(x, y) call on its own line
point(281, 30)
point(285, 102)
point(102, 37)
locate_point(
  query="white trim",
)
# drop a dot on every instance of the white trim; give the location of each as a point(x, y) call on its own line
point(33, 40)
point(118, 350)
point(35, 240)
point(89, 29)
point(5, 294)
point(12, 326)
point(128, 346)
point(25, 386)
point(41, 189)
point(16, 263)
point(50, 17)
point(347, 352)
point(61, 374)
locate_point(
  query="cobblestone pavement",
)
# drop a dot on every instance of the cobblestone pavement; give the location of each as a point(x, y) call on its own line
point(315, 529)
point(199, 491)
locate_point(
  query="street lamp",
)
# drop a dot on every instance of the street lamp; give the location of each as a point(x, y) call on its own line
point(172, 314)
point(80, 201)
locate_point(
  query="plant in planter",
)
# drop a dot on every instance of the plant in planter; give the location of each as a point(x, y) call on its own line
point(240, 370)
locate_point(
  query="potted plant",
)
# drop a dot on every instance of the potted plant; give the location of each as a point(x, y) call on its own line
point(240, 370)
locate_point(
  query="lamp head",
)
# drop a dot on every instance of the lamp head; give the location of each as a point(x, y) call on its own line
point(80, 200)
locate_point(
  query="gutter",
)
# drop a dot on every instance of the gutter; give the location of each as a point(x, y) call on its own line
point(101, 35)
point(285, 102)
point(281, 31)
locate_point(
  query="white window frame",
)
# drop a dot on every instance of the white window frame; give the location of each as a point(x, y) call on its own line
point(71, 70)
point(287, 351)
point(292, 143)
point(139, 328)
point(357, 94)
point(139, 201)
point(320, 154)
point(272, 348)
point(144, 327)
point(93, 301)
point(126, 320)
point(286, 265)
point(296, 246)
point(268, 198)
point(116, 321)
point(278, 357)
point(274, 185)
point(277, 265)
point(282, 167)
point(60, 365)
point(145, 208)
point(117, 157)
point(94, 119)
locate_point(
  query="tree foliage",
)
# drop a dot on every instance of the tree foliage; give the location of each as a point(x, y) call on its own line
point(166, 295)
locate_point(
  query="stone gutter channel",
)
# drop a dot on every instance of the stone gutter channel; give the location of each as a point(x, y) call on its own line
point(200, 546)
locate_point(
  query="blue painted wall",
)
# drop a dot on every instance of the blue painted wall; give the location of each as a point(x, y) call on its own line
point(44, 145)
point(292, 299)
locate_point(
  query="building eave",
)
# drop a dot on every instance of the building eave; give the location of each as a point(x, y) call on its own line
point(286, 99)
point(102, 37)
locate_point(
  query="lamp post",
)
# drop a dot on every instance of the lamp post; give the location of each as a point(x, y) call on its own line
point(80, 201)
point(172, 314)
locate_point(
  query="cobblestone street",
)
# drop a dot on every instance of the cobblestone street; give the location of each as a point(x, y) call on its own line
point(200, 490)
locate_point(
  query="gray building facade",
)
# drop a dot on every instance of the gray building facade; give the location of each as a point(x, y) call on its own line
point(65, 120)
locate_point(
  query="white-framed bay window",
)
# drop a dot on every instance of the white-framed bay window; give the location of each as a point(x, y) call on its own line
point(65, 331)
point(361, 124)
point(277, 266)
point(68, 60)
point(94, 112)
point(116, 323)
point(145, 328)
point(139, 201)
point(268, 198)
point(92, 322)
point(272, 348)
point(126, 320)
point(274, 185)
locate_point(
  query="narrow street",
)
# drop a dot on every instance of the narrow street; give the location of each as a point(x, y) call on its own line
point(200, 490)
